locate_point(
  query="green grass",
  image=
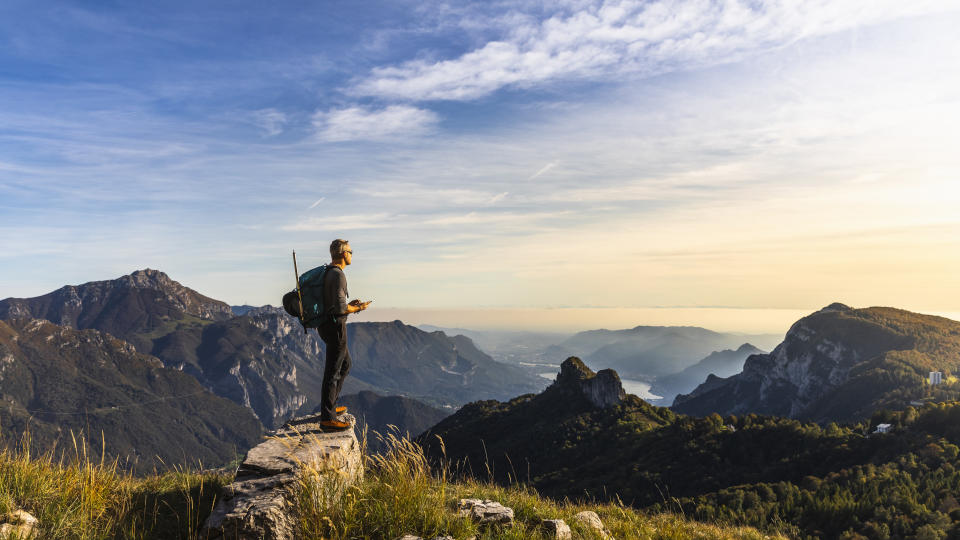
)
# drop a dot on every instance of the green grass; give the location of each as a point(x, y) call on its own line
point(91, 498)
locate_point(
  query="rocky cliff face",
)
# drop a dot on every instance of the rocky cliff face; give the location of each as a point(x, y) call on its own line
point(601, 389)
point(262, 360)
point(824, 353)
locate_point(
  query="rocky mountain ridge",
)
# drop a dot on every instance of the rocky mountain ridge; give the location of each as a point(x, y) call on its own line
point(837, 364)
point(262, 359)
point(717, 364)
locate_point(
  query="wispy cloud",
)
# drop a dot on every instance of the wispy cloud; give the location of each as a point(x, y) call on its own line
point(270, 121)
point(496, 218)
point(358, 123)
point(543, 170)
point(344, 223)
point(605, 39)
point(498, 197)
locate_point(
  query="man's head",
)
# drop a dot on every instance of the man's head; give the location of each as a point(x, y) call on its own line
point(340, 250)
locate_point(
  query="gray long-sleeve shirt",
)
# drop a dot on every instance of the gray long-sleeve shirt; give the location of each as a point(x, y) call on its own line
point(335, 292)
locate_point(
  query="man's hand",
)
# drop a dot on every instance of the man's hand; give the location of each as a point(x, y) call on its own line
point(356, 305)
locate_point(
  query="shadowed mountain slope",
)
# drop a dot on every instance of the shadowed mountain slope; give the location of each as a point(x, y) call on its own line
point(55, 379)
point(718, 363)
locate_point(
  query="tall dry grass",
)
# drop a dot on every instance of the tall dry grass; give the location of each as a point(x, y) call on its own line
point(78, 496)
point(401, 494)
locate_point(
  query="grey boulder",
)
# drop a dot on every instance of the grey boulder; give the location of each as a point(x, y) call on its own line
point(486, 512)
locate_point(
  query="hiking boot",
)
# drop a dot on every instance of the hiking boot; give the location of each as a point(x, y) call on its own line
point(341, 409)
point(334, 425)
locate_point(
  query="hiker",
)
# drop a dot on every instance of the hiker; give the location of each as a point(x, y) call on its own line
point(333, 331)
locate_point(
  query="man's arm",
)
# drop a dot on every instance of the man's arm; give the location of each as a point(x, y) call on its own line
point(335, 292)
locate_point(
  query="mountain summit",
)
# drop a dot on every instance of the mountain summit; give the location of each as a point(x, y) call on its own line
point(144, 302)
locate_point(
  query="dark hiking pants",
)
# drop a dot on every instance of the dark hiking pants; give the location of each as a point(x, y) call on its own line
point(336, 368)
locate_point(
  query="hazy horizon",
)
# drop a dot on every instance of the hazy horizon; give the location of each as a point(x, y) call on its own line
point(571, 320)
point(557, 319)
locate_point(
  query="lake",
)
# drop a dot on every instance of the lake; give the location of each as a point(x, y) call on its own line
point(638, 388)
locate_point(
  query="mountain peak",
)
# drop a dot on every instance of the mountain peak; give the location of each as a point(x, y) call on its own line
point(573, 370)
point(836, 306)
point(148, 278)
point(601, 389)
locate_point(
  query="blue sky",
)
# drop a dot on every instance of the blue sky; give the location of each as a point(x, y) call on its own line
point(580, 155)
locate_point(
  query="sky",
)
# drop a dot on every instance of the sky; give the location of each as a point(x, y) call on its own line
point(569, 164)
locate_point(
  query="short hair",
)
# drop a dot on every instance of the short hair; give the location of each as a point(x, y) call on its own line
point(337, 247)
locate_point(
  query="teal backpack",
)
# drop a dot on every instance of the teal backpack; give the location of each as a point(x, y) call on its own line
point(311, 298)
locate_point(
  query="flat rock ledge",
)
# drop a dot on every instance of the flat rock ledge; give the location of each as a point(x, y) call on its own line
point(260, 504)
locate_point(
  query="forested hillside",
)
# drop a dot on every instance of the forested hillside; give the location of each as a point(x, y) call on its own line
point(776, 473)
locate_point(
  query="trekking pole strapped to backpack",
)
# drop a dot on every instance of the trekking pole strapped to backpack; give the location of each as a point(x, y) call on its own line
point(296, 277)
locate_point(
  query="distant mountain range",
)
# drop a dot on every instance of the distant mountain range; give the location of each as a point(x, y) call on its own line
point(262, 359)
point(509, 346)
point(840, 364)
point(55, 380)
point(719, 364)
point(646, 352)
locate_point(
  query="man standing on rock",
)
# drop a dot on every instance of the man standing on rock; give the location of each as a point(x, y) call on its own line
point(333, 331)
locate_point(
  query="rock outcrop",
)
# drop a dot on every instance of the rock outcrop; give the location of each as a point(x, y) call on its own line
point(602, 389)
point(259, 504)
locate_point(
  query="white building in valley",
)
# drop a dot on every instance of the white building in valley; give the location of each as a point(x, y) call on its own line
point(882, 428)
point(936, 377)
